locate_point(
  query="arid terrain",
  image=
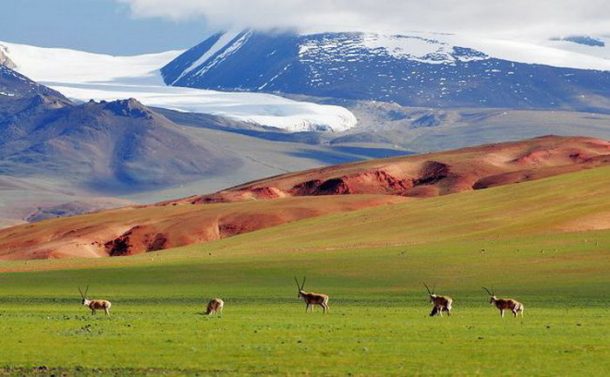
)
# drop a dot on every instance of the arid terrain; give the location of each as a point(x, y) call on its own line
point(433, 174)
point(295, 196)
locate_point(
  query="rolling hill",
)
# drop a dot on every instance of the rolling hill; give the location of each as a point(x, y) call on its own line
point(136, 230)
point(433, 174)
point(288, 198)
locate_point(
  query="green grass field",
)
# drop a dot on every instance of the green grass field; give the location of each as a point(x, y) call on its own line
point(372, 262)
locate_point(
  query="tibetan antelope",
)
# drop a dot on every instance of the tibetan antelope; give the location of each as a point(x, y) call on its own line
point(215, 306)
point(440, 303)
point(94, 304)
point(505, 304)
point(311, 298)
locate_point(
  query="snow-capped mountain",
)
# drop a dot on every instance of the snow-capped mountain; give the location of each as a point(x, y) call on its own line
point(83, 76)
point(422, 69)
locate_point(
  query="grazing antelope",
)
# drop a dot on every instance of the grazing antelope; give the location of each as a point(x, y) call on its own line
point(215, 306)
point(95, 304)
point(311, 298)
point(505, 303)
point(441, 303)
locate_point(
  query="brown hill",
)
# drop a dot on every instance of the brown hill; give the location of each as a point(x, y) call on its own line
point(296, 196)
point(432, 174)
point(134, 230)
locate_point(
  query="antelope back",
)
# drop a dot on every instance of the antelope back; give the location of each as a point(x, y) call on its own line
point(441, 300)
point(314, 298)
point(504, 303)
point(99, 304)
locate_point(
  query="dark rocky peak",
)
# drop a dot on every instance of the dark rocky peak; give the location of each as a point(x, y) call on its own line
point(128, 107)
point(49, 102)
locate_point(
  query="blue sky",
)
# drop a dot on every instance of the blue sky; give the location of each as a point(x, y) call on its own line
point(103, 26)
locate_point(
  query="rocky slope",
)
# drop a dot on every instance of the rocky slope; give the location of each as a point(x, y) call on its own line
point(422, 69)
point(106, 146)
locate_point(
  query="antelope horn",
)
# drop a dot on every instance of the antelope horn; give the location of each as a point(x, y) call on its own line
point(81, 293)
point(428, 289)
point(303, 285)
point(488, 291)
point(297, 281)
point(86, 290)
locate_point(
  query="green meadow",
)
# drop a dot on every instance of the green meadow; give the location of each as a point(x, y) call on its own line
point(539, 242)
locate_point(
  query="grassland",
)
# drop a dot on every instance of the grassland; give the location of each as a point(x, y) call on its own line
point(529, 241)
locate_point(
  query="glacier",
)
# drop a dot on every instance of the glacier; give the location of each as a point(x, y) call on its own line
point(84, 76)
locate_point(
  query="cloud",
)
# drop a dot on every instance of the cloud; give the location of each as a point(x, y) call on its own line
point(491, 17)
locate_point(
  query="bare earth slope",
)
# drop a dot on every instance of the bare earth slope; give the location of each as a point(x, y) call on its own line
point(135, 230)
point(433, 174)
point(291, 197)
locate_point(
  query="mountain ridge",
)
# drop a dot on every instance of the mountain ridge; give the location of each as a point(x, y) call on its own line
point(411, 70)
point(105, 146)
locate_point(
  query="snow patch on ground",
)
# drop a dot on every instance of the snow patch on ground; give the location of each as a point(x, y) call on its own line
point(84, 76)
point(424, 50)
point(437, 48)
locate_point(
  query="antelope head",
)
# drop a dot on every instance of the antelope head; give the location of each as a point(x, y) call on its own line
point(300, 287)
point(430, 293)
point(492, 295)
point(85, 301)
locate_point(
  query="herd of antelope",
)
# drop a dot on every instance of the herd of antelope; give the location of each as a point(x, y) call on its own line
point(439, 303)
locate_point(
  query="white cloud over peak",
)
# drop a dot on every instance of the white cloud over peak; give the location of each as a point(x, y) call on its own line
point(531, 18)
